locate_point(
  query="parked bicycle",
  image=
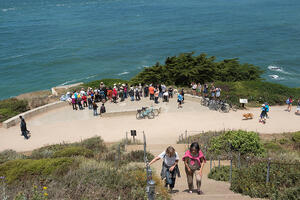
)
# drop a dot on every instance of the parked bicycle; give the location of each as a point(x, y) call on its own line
point(217, 105)
point(156, 111)
point(145, 112)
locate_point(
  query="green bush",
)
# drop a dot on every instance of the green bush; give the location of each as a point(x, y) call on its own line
point(284, 180)
point(73, 151)
point(271, 146)
point(95, 144)
point(47, 151)
point(252, 180)
point(183, 69)
point(296, 140)
point(138, 156)
point(19, 169)
point(220, 174)
point(9, 154)
point(257, 92)
point(236, 141)
point(12, 107)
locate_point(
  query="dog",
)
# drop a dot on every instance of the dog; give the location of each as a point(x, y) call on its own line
point(248, 116)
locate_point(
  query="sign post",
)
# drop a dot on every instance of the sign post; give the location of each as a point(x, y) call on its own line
point(133, 134)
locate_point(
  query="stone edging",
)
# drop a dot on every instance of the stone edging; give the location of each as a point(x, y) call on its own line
point(15, 120)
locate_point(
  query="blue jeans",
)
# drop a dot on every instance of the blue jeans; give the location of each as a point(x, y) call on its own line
point(169, 180)
point(95, 112)
point(132, 98)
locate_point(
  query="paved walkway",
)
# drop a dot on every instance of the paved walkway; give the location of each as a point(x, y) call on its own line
point(65, 125)
point(212, 190)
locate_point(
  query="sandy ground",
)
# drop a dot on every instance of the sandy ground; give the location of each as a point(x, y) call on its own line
point(66, 125)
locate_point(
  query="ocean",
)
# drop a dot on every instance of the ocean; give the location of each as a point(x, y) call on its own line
point(45, 43)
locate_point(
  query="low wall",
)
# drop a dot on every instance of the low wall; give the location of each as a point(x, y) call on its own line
point(15, 120)
point(192, 98)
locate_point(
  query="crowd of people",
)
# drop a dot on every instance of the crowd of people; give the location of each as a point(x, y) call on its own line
point(119, 92)
point(205, 90)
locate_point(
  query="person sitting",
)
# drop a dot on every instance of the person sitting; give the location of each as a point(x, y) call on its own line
point(102, 109)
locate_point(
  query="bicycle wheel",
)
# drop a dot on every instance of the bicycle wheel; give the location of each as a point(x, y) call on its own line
point(156, 112)
point(139, 115)
point(150, 115)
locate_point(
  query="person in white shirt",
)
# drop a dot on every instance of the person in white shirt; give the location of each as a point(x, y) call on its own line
point(169, 166)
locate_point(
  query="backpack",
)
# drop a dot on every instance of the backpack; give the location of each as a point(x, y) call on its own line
point(287, 101)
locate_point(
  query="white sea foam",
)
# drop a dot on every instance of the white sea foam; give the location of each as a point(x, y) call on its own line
point(8, 9)
point(92, 76)
point(123, 73)
point(60, 5)
point(276, 77)
point(277, 69)
point(67, 82)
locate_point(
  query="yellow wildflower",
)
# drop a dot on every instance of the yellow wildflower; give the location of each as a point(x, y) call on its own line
point(45, 188)
point(45, 194)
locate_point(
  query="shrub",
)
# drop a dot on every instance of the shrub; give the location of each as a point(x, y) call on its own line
point(271, 146)
point(12, 107)
point(219, 174)
point(73, 151)
point(9, 154)
point(252, 180)
point(257, 92)
point(19, 169)
point(47, 151)
point(284, 180)
point(138, 156)
point(183, 69)
point(95, 144)
point(236, 141)
point(296, 140)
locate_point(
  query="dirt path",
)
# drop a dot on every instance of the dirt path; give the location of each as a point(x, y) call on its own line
point(212, 190)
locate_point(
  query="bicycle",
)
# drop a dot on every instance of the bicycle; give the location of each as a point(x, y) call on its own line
point(145, 112)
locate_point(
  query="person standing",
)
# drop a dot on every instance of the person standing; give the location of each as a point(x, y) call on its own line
point(137, 94)
point(263, 114)
point(24, 128)
point(151, 91)
point(169, 166)
point(146, 91)
point(74, 104)
point(289, 102)
point(194, 161)
point(298, 107)
point(179, 100)
point(95, 108)
point(156, 96)
point(131, 93)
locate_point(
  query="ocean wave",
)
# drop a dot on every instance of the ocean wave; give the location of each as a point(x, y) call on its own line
point(276, 77)
point(78, 80)
point(8, 9)
point(277, 69)
point(123, 73)
point(60, 5)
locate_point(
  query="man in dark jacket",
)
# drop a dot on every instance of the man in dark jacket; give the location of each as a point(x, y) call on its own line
point(24, 128)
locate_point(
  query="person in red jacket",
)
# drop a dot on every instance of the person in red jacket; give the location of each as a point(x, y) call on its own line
point(84, 99)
